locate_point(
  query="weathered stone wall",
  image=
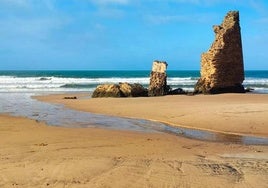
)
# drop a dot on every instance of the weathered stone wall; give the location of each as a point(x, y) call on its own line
point(222, 68)
point(158, 79)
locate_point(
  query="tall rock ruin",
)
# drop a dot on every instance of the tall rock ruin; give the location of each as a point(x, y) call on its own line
point(222, 69)
point(158, 79)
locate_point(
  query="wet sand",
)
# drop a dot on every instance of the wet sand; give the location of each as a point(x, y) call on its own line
point(33, 154)
point(231, 113)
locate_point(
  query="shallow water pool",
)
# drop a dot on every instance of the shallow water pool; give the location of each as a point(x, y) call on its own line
point(21, 104)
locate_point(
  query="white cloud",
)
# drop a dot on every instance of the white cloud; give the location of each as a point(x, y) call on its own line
point(107, 9)
point(195, 2)
point(26, 5)
point(187, 1)
point(15, 3)
point(106, 12)
point(164, 19)
point(106, 2)
point(49, 4)
point(263, 20)
point(259, 7)
point(34, 28)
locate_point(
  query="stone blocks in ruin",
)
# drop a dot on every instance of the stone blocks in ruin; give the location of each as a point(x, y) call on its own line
point(158, 79)
point(222, 68)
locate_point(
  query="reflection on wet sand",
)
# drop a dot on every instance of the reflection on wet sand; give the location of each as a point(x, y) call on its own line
point(232, 138)
point(58, 115)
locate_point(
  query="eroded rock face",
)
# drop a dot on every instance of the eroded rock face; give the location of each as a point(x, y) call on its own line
point(158, 79)
point(120, 90)
point(107, 90)
point(222, 68)
point(133, 90)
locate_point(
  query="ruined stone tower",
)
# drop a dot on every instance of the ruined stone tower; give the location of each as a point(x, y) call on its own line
point(158, 79)
point(222, 68)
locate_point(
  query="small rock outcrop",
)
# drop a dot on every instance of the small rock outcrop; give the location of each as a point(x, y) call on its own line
point(178, 91)
point(107, 90)
point(120, 90)
point(222, 69)
point(133, 90)
point(158, 79)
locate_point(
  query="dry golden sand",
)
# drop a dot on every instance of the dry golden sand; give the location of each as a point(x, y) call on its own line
point(35, 155)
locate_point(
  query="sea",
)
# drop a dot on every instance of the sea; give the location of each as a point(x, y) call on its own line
point(86, 81)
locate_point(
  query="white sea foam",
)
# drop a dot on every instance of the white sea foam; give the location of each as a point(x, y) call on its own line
point(8, 83)
point(28, 84)
point(256, 81)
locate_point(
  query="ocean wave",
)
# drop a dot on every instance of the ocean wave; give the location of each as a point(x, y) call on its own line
point(255, 81)
point(44, 78)
point(11, 83)
point(58, 80)
point(78, 85)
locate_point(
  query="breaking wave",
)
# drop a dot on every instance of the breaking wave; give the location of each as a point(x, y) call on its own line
point(72, 82)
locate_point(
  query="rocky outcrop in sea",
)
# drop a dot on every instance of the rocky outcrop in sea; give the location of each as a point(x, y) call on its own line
point(158, 85)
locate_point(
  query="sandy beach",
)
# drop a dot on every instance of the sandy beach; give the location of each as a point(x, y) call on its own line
point(36, 155)
point(232, 113)
point(133, 94)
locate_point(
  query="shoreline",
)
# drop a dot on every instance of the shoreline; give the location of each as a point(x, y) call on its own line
point(33, 154)
point(255, 99)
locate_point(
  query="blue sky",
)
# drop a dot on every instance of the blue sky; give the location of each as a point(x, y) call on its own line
point(123, 34)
